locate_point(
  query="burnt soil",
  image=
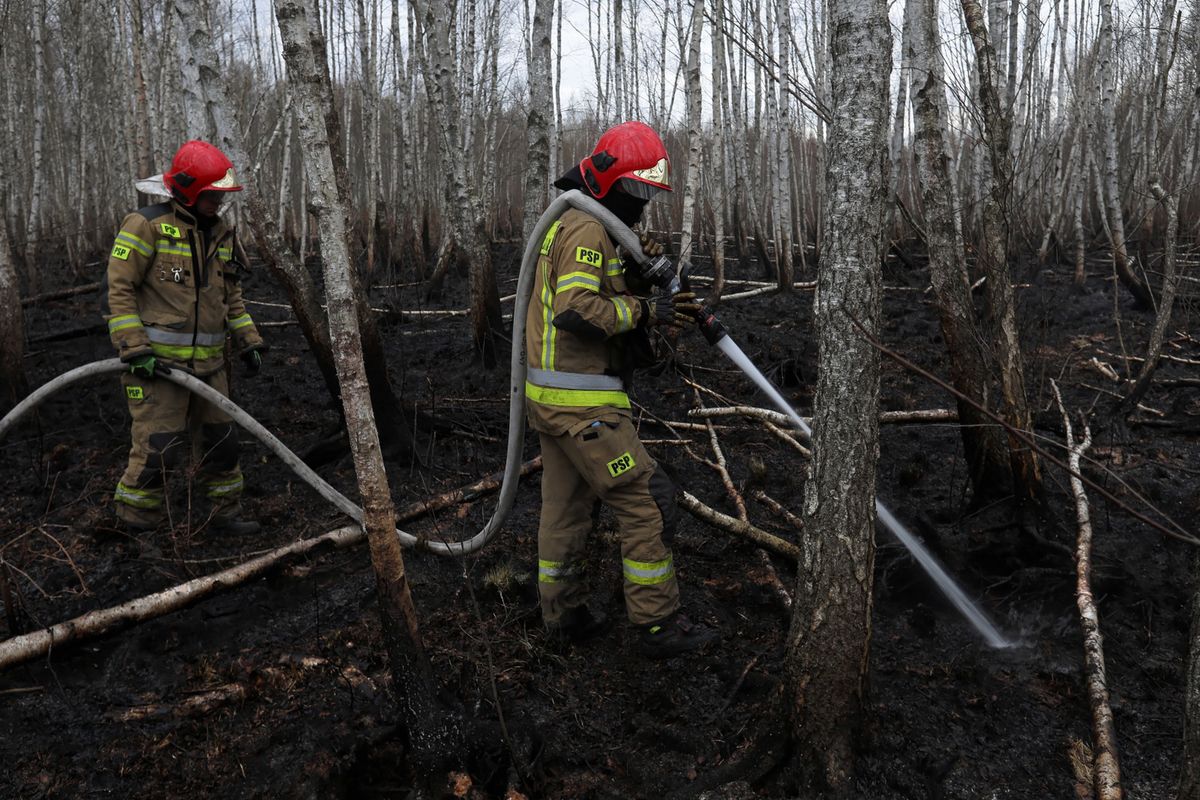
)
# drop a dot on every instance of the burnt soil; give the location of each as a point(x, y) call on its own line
point(280, 688)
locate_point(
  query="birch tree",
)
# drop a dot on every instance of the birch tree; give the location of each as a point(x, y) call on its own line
point(781, 112)
point(434, 25)
point(537, 119)
point(1112, 186)
point(993, 254)
point(716, 194)
point(829, 638)
point(691, 184)
point(428, 731)
point(33, 225)
point(12, 324)
point(987, 459)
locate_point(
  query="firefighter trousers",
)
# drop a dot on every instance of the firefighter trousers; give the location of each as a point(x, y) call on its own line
point(604, 459)
point(164, 416)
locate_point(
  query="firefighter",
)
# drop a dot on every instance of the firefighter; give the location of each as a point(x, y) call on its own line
point(583, 334)
point(173, 296)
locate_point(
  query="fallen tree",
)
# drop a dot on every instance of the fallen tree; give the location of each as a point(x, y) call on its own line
point(1106, 769)
point(96, 623)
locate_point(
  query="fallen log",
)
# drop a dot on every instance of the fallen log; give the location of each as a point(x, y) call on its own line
point(776, 418)
point(758, 536)
point(95, 623)
point(1106, 769)
point(59, 294)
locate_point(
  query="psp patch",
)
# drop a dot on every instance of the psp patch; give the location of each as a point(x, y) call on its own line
point(592, 258)
point(621, 464)
point(134, 393)
point(170, 230)
point(120, 251)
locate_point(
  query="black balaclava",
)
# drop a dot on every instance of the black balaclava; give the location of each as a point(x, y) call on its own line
point(626, 207)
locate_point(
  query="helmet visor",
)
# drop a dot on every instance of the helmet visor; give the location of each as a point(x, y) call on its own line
point(645, 183)
point(229, 183)
point(633, 186)
point(658, 174)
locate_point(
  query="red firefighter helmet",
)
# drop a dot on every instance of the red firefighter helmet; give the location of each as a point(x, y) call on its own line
point(199, 167)
point(631, 157)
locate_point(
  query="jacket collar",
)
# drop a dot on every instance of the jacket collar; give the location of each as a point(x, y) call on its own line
point(185, 215)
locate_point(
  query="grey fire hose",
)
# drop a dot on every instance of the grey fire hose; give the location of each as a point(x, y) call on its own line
point(516, 409)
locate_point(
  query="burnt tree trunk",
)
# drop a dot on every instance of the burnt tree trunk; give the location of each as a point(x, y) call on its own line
point(993, 256)
point(830, 634)
point(984, 446)
point(13, 385)
point(430, 732)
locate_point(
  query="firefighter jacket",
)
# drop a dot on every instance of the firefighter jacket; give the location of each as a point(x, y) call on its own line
point(580, 313)
point(173, 290)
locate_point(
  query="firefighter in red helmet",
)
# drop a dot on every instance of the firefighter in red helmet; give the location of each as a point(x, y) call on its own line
point(174, 296)
point(584, 332)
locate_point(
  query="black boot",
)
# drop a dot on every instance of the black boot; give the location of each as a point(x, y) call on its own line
point(136, 520)
point(674, 635)
point(234, 525)
point(577, 625)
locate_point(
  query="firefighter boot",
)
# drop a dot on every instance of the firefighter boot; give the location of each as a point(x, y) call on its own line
point(675, 635)
point(226, 519)
point(137, 520)
point(578, 625)
point(234, 524)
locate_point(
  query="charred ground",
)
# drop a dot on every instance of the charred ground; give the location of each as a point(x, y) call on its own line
point(280, 688)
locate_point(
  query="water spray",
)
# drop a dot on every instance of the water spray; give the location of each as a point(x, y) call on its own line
point(716, 334)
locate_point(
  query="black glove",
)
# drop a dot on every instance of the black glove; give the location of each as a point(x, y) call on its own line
point(147, 366)
point(253, 361)
point(679, 310)
point(634, 279)
point(650, 247)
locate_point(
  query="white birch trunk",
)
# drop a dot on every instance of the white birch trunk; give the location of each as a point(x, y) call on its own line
point(720, 138)
point(691, 183)
point(212, 105)
point(1112, 186)
point(987, 459)
point(828, 642)
point(33, 223)
point(466, 217)
point(785, 272)
point(190, 28)
point(412, 677)
point(537, 120)
point(993, 255)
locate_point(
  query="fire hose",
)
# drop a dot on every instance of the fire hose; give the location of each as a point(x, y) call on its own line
point(657, 270)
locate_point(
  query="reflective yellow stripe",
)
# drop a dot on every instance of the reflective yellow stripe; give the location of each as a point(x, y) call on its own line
point(137, 243)
point(578, 280)
point(224, 488)
point(624, 315)
point(614, 267)
point(548, 331)
point(238, 323)
point(225, 253)
point(648, 573)
point(172, 249)
point(556, 571)
point(548, 241)
point(575, 398)
point(124, 321)
point(179, 353)
point(138, 498)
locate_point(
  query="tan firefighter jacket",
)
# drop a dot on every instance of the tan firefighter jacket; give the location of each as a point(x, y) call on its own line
point(173, 291)
point(578, 314)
